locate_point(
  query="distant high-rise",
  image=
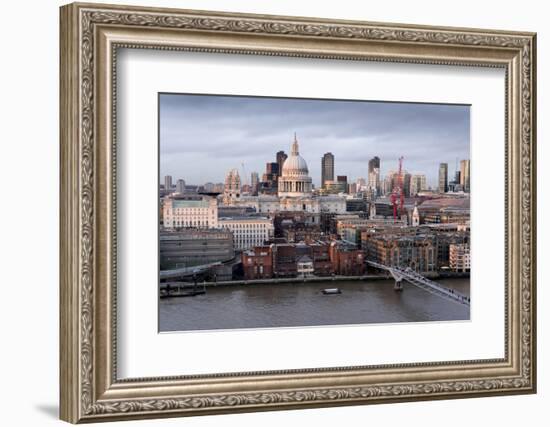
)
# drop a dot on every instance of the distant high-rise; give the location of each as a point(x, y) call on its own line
point(335, 187)
point(254, 182)
point(327, 168)
point(272, 168)
point(374, 163)
point(465, 175)
point(454, 185)
point(443, 183)
point(269, 184)
point(407, 177)
point(374, 176)
point(387, 184)
point(418, 184)
point(168, 182)
point(393, 182)
point(343, 181)
point(361, 184)
point(180, 186)
point(281, 157)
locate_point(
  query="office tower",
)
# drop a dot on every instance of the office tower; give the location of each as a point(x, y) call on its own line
point(407, 178)
point(454, 185)
point(180, 186)
point(343, 181)
point(361, 184)
point(388, 183)
point(374, 176)
point(443, 183)
point(418, 184)
point(272, 168)
point(327, 168)
point(254, 182)
point(269, 184)
point(167, 183)
point(374, 163)
point(465, 175)
point(281, 157)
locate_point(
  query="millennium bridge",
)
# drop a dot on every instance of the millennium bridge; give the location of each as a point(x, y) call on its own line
point(408, 274)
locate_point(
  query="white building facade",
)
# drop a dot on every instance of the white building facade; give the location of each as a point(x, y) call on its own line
point(248, 231)
point(459, 257)
point(195, 212)
point(415, 217)
point(273, 204)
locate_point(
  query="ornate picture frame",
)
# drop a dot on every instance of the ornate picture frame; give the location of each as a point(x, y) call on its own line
point(90, 37)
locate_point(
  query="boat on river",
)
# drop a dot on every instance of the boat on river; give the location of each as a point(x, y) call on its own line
point(181, 291)
point(331, 291)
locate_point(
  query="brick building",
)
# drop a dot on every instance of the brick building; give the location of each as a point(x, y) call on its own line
point(346, 259)
point(322, 265)
point(418, 252)
point(284, 260)
point(296, 226)
point(258, 263)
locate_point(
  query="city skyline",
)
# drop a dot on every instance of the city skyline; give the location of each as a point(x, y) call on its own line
point(228, 131)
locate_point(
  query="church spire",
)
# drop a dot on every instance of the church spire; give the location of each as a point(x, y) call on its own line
point(295, 150)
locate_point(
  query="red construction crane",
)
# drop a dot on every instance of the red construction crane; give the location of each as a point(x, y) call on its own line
point(397, 192)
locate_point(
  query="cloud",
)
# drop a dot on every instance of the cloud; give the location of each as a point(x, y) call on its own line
point(203, 136)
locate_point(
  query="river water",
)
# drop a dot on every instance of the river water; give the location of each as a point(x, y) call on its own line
point(303, 304)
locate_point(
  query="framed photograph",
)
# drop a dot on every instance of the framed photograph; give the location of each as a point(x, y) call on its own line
point(267, 212)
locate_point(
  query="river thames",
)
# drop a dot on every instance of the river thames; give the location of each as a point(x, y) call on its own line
point(303, 304)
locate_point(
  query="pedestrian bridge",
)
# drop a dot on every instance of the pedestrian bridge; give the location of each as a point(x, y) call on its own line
point(416, 279)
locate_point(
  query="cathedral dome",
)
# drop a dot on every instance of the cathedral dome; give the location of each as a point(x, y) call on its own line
point(294, 180)
point(295, 165)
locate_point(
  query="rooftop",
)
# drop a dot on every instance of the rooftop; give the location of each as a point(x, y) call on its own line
point(243, 218)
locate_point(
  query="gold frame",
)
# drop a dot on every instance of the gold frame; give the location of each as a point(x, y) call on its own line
point(90, 36)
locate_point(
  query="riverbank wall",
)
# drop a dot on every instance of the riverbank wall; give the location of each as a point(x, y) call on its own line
point(329, 281)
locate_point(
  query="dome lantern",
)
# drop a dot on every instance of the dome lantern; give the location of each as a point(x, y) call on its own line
point(295, 151)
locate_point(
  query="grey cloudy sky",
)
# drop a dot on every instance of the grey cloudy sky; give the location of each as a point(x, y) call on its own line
point(204, 136)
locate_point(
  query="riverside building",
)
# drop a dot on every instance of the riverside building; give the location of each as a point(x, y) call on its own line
point(194, 211)
point(190, 247)
point(248, 231)
point(459, 257)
